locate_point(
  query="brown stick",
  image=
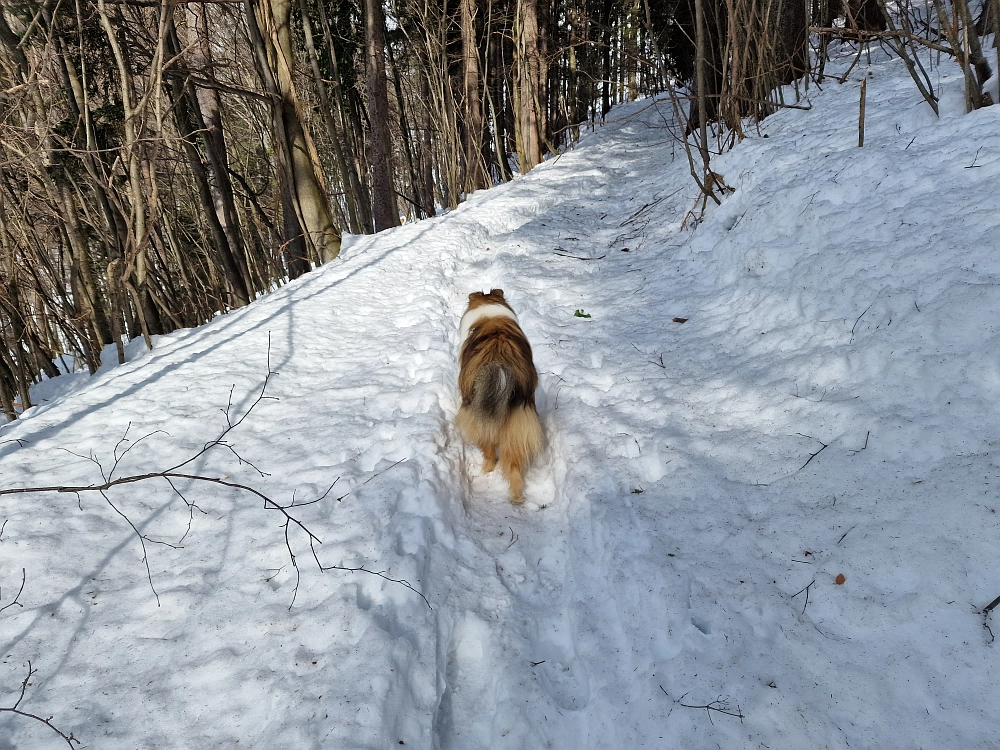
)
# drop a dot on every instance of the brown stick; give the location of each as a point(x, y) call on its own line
point(866, 36)
point(861, 116)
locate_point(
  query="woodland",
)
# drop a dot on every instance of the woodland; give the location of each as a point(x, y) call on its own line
point(165, 161)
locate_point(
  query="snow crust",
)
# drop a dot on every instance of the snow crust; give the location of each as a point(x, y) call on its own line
point(827, 409)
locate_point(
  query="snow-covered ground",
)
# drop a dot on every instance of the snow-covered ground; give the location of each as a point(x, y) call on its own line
point(827, 409)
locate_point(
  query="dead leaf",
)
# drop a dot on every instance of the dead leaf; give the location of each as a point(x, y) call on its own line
point(680, 320)
point(840, 579)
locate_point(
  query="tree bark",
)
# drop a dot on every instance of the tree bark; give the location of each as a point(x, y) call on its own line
point(384, 207)
point(359, 197)
point(207, 111)
point(526, 88)
point(310, 231)
point(475, 171)
point(136, 269)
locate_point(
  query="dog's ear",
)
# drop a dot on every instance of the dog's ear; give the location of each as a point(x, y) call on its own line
point(497, 293)
point(476, 295)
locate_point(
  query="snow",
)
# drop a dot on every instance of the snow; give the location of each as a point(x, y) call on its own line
point(827, 408)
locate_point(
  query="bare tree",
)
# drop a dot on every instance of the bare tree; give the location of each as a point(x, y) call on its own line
point(385, 210)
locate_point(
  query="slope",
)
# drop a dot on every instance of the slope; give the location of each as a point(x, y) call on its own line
point(672, 581)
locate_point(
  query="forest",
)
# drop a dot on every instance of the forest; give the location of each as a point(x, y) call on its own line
point(165, 161)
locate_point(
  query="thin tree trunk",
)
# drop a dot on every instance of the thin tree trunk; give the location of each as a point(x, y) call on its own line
point(384, 208)
point(351, 199)
point(426, 148)
point(475, 172)
point(700, 81)
point(526, 88)
point(207, 108)
point(358, 189)
point(310, 231)
point(137, 261)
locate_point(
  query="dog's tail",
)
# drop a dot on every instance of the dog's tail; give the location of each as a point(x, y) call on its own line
point(492, 391)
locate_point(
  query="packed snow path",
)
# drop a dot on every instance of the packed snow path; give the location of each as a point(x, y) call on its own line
point(827, 409)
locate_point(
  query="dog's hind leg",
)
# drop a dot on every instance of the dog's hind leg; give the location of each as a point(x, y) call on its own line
point(489, 456)
point(520, 441)
point(511, 465)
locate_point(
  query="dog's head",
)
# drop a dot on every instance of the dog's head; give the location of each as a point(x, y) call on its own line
point(495, 297)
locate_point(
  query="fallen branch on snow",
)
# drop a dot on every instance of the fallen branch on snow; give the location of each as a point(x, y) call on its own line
point(718, 705)
point(812, 455)
point(988, 615)
point(69, 738)
point(806, 590)
point(176, 472)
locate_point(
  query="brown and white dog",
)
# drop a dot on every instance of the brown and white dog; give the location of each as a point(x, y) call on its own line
point(497, 381)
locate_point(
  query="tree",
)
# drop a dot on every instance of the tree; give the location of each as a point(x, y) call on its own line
point(310, 231)
point(384, 208)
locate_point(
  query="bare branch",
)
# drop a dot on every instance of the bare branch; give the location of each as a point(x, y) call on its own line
point(23, 577)
point(69, 738)
point(806, 591)
point(719, 706)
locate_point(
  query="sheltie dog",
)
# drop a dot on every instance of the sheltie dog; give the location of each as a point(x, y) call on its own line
point(497, 380)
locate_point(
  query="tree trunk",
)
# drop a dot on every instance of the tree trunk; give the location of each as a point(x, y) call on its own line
point(207, 111)
point(358, 195)
point(310, 231)
point(526, 88)
point(136, 269)
point(425, 149)
point(475, 172)
point(384, 208)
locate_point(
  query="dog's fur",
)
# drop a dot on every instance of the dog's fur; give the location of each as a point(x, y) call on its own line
point(497, 381)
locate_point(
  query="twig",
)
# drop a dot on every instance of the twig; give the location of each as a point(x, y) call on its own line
point(859, 319)
point(513, 537)
point(577, 257)
point(376, 474)
point(806, 590)
point(861, 115)
point(70, 739)
point(18, 592)
point(191, 509)
point(845, 534)
point(646, 208)
point(811, 400)
point(380, 574)
point(118, 457)
point(867, 35)
point(867, 435)
point(718, 705)
point(658, 364)
point(812, 455)
point(974, 165)
point(987, 614)
point(142, 543)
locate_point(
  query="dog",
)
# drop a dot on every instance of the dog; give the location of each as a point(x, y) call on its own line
point(497, 381)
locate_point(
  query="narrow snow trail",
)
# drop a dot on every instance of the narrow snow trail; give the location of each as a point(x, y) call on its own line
point(364, 360)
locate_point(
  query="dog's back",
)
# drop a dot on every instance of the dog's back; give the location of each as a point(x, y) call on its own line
point(497, 381)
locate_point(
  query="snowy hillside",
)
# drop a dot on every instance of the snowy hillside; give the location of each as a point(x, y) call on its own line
point(774, 525)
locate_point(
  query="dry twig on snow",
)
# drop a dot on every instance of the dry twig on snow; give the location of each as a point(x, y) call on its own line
point(16, 710)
